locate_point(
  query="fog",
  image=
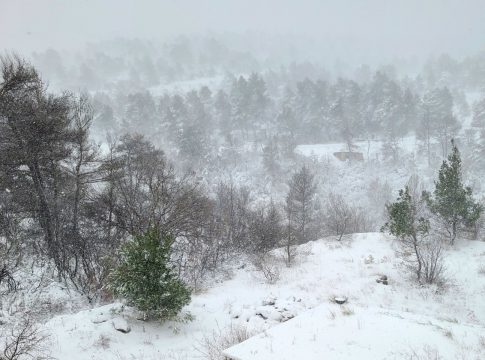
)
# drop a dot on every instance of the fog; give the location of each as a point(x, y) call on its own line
point(178, 176)
point(352, 30)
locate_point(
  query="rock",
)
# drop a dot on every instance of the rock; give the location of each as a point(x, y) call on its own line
point(262, 316)
point(100, 318)
point(271, 301)
point(270, 313)
point(340, 300)
point(121, 325)
point(286, 315)
point(382, 280)
point(263, 312)
point(235, 313)
point(369, 260)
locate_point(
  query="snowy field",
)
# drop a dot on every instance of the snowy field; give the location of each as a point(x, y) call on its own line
point(339, 332)
point(185, 86)
point(400, 319)
point(371, 149)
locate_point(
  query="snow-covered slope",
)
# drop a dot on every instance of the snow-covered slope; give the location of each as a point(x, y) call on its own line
point(324, 269)
point(334, 332)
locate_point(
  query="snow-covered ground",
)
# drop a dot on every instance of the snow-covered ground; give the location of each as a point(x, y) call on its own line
point(450, 320)
point(371, 149)
point(338, 332)
point(185, 86)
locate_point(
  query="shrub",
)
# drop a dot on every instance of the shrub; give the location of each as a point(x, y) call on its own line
point(145, 277)
point(342, 218)
point(431, 252)
point(212, 347)
point(23, 341)
point(267, 265)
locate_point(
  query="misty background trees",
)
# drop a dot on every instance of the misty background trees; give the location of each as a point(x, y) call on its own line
point(217, 167)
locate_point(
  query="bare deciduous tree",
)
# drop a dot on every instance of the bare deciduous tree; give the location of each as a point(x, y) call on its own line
point(342, 218)
point(339, 216)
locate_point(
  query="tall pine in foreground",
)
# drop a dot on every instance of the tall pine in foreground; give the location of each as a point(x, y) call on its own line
point(452, 202)
point(145, 278)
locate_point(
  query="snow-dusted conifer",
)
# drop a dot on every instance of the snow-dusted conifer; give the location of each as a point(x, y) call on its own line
point(452, 201)
point(145, 278)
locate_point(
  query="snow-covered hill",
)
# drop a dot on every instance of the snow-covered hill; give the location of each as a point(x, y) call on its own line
point(324, 269)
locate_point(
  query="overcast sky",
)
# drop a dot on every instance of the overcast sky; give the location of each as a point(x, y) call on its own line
point(403, 28)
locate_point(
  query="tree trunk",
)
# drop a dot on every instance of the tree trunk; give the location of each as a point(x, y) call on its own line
point(44, 212)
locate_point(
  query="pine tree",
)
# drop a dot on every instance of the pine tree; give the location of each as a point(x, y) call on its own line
point(403, 217)
point(271, 157)
point(479, 114)
point(145, 278)
point(452, 201)
point(407, 224)
point(301, 202)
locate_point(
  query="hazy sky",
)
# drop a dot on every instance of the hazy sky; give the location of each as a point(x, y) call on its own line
point(403, 28)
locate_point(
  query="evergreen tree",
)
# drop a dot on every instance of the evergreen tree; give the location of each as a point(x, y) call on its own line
point(145, 278)
point(452, 201)
point(403, 218)
point(437, 120)
point(301, 203)
point(266, 230)
point(405, 224)
point(479, 114)
point(139, 113)
point(271, 157)
point(422, 254)
point(288, 130)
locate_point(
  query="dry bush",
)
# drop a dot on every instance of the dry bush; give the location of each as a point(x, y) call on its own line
point(432, 261)
point(24, 341)
point(211, 347)
point(379, 193)
point(268, 266)
point(342, 218)
point(426, 353)
point(347, 311)
point(424, 257)
point(481, 270)
point(103, 342)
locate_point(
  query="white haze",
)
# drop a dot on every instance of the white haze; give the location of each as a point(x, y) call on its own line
point(354, 31)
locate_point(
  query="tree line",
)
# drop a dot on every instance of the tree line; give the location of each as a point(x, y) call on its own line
point(272, 111)
point(75, 203)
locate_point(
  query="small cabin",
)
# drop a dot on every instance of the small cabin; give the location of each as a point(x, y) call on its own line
point(349, 156)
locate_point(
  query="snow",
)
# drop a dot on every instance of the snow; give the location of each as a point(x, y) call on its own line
point(366, 333)
point(370, 149)
point(185, 86)
point(328, 332)
point(449, 319)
